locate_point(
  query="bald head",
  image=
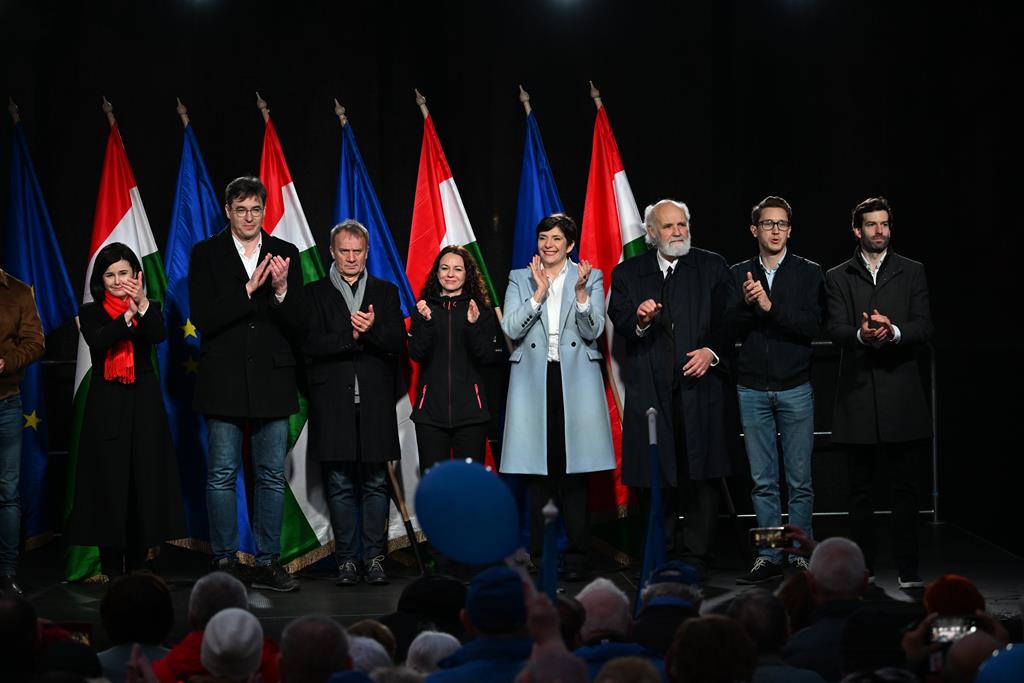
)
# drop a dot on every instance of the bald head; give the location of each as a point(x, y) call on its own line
point(838, 571)
point(966, 655)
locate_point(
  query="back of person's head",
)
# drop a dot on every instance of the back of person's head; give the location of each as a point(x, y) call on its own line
point(951, 595)
point(559, 666)
point(966, 655)
point(710, 649)
point(396, 674)
point(871, 640)
point(838, 571)
point(367, 654)
point(571, 615)
point(439, 599)
point(19, 636)
point(232, 644)
point(312, 648)
point(211, 594)
point(494, 603)
point(429, 648)
point(763, 618)
point(371, 628)
point(674, 581)
point(607, 610)
point(628, 670)
point(795, 594)
point(137, 608)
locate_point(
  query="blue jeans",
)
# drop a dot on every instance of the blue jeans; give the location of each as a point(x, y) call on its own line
point(269, 446)
point(343, 479)
point(789, 413)
point(11, 424)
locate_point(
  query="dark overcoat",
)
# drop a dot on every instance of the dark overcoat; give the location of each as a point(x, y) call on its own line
point(247, 356)
point(880, 395)
point(335, 358)
point(124, 449)
point(701, 298)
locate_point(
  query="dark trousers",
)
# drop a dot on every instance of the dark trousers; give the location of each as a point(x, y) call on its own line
point(899, 471)
point(438, 444)
point(132, 554)
point(569, 491)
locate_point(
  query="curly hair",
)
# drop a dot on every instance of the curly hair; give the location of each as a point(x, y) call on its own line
point(473, 286)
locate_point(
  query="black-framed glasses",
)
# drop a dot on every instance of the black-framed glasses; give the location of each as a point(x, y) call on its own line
point(241, 211)
point(769, 226)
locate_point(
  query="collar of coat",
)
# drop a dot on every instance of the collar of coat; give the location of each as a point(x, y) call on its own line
point(891, 266)
point(226, 244)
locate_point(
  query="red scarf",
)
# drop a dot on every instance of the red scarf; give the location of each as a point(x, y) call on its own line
point(120, 362)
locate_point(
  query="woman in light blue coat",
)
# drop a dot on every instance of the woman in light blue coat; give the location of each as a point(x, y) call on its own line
point(556, 426)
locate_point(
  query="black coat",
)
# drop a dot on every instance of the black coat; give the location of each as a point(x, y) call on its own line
point(450, 391)
point(125, 445)
point(701, 298)
point(335, 359)
point(246, 355)
point(880, 394)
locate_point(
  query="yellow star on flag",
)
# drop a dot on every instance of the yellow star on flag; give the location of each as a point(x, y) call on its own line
point(32, 420)
point(190, 329)
point(190, 365)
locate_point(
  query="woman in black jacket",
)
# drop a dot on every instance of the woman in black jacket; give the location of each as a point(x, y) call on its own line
point(453, 334)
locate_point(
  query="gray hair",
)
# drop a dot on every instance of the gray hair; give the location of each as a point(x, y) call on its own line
point(312, 648)
point(396, 674)
point(429, 648)
point(607, 609)
point(692, 594)
point(837, 566)
point(367, 654)
point(649, 217)
point(212, 593)
point(352, 227)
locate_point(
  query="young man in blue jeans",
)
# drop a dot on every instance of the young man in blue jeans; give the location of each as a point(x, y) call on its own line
point(781, 312)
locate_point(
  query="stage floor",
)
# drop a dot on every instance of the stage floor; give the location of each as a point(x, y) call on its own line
point(945, 549)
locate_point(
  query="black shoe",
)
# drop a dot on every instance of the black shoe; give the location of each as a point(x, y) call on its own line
point(231, 565)
point(273, 577)
point(9, 586)
point(375, 575)
point(910, 579)
point(348, 574)
point(763, 570)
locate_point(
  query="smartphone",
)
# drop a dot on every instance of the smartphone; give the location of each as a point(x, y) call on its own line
point(948, 629)
point(769, 537)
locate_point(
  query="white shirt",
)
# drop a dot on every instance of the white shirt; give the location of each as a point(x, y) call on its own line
point(874, 280)
point(554, 312)
point(250, 262)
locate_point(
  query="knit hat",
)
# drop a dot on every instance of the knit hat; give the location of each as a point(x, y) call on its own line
point(232, 644)
point(495, 601)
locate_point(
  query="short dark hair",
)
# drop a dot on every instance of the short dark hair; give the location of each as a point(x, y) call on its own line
point(243, 188)
point(867, 206)
point(763, 617)
point(711, 649)
point(770, 202)
point(107, 256)
point(561, 221)
point(312, 648)
point(137, 608)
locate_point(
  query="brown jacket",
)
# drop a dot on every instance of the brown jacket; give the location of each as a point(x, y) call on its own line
point(21, 333)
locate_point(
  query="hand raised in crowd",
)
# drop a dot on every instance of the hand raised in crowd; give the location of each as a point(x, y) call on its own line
point(646, 311)
point(259, 276)
point(795, 533)
point(540, 278)
point(472, 312)
point(361, 322)
point(3, 365)
point(916, 643)
point(139, 669)
point(581, 281)
point(753, 292)
point(279, 274)
point(542, 621)
point(885, 331)
point(700, 361)
point(423, 308)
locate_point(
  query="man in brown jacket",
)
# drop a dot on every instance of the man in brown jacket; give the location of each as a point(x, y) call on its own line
point(21, 342)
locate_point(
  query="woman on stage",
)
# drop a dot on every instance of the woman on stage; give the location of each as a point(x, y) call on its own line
point(453, 334)
point(127, 492)
point(557, 427)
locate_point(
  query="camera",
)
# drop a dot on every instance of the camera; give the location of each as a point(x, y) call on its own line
point(769, 538)
point(948, 629)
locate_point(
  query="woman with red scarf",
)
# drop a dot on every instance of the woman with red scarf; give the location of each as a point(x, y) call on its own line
point(127, 491)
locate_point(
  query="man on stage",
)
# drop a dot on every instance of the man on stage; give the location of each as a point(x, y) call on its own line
point(878, 313)
point(245, 292)
point(670, 307)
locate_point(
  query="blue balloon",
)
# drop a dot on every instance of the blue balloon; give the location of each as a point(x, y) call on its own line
point(467, 512)
point(1005, 666)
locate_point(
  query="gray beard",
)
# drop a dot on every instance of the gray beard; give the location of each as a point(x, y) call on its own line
point(675, 250)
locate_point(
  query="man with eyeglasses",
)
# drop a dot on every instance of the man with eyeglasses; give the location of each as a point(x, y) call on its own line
point(878, 314)
point(783, 298)
point(245, 293)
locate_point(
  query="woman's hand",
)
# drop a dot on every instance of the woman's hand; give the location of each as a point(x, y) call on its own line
point(581, 282)
point(540, 278)
point(472, 312)
point(423, 308)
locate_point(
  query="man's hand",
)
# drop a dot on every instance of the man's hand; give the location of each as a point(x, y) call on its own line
point(279, 274)
point(259, 276)
point(646, 311)
point(700, 361)
point(991, 626)
point(423, 308)
point(139, 669)
point(795, 533)
point(915, 643)
point(472, 312)
point(868, 334)
point(540, 278)
point(884, 331)
point(753, 292)
point(362, 322)
point(3, 366)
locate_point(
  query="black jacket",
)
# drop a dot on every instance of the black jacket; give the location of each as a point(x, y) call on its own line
point(450, 392)
point(776, 346)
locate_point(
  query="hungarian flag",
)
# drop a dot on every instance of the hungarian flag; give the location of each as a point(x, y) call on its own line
point(120, 217)
point(306, 525)
point(611, 232)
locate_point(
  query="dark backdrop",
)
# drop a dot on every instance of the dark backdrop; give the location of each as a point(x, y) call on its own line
point(717, 103)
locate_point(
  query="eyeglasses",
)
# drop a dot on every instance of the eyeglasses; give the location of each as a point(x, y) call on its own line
point(769, 226)
point(241, 211)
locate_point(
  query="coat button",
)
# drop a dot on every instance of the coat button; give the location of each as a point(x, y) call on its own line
point(533, 346)
point(573, 344)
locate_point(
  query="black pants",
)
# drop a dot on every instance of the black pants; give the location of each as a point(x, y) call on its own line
point(132, 555)
point(437, 444)
point(899, 471)
point(569, 491)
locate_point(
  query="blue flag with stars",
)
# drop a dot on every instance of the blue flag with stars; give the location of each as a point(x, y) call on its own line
point(196, 215)
point(538, 196)
point(31, 254)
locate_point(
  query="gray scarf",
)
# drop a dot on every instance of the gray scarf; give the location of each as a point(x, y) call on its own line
point(353, 301)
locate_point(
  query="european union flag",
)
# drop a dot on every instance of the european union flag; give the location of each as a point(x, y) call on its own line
point(31, 254)
point(196, 215)
point(538, 196)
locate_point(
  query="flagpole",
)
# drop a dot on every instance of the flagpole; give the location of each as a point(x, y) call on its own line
point(595, 95)
point(339, 111)
point(12, 108)
point(182, 112)
point(261, 104)
point(108, 109)
point(421, 102)
point(524, 97)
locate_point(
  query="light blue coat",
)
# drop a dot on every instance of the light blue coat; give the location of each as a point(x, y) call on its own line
point(588, 435)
